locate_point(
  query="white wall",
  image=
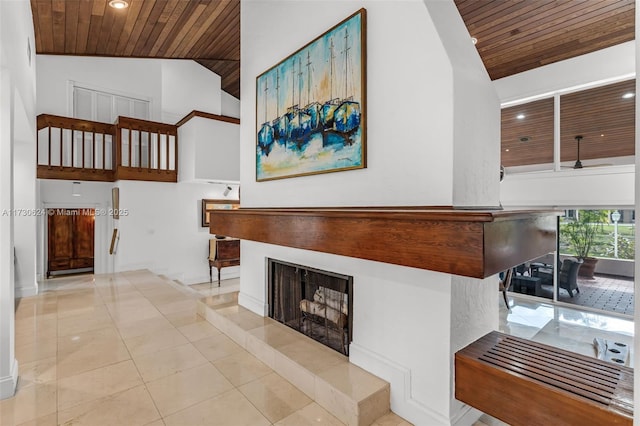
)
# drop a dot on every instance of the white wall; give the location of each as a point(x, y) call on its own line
point(476, 114)
point(230, 105)
point(24, 167)
point(140, 78)
point(598, 186)
point(600, 66)
point(402, 316)
point(174, 87)
point(162, 229)
point(209, 150)
point(24, 179)
point(17, 126)
point(188, 86)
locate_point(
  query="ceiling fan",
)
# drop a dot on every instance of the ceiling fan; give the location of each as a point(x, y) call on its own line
point(578, 163)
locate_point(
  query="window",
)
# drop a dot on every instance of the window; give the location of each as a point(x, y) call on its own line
point(96, 105)
point(606, 238)
point(605, 120)
point(597, 127)
point(527, 134)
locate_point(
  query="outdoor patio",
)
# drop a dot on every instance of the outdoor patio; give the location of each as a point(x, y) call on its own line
point(605, 292)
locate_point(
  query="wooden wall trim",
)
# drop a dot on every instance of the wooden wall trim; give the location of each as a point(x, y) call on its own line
point(57, 121)
point(146, 125)
point(74, 173)
point(209, 115)
point(146, 174)
point(462, 242)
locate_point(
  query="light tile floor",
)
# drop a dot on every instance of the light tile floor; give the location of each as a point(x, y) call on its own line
point(129, 349)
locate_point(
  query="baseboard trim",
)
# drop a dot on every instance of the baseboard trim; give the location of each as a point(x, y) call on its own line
point(253, 304)
point(400, 379)
point(9, 383)
point(26, 290)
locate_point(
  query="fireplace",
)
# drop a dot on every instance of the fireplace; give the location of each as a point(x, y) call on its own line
point(316, 303)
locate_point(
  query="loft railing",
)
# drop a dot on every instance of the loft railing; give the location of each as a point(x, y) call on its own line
point(69, 148)
point(131, 149)
point(146, 150)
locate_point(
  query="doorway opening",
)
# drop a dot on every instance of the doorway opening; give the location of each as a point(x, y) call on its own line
point(70, 241)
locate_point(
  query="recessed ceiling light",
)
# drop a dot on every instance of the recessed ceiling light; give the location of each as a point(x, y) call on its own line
point(602, 135)
point(520, 116)
point(118, 4)
point(628, 95)
point(507, 150)
point(474, 40)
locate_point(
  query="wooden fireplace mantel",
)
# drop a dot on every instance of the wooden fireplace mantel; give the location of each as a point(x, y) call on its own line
point(472, 243)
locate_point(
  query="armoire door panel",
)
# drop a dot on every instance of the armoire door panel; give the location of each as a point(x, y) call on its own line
point(62, 237)
point(71, 239)
point(83, 236)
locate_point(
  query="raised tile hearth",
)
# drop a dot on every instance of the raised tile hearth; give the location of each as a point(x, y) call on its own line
point(350, 393)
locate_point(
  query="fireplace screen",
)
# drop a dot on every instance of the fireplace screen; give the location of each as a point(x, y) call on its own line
point(316, 303)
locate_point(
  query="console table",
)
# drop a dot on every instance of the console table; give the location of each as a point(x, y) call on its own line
point(223, 252)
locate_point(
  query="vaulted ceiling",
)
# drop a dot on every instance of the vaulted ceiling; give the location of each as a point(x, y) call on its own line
point(207, 31)
point(513, 35)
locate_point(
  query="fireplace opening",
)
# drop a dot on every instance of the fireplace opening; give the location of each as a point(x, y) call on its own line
point(316, 303)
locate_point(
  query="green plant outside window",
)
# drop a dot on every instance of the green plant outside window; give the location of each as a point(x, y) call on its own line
point(591, 233)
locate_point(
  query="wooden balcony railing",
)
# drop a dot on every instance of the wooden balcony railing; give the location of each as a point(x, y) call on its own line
point(70, 148)
point(146, 150)
point(131, 149)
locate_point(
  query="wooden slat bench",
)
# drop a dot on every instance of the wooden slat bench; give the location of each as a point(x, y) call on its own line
point(527, 383)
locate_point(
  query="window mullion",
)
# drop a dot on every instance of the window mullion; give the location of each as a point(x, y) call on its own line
point(556, 132)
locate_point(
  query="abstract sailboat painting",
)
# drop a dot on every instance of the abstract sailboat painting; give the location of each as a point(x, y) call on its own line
point(310, 107)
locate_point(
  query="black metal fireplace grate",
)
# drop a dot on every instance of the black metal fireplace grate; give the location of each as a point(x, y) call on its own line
point(316, 303)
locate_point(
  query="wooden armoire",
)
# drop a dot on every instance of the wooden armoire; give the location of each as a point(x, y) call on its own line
point(70, 240)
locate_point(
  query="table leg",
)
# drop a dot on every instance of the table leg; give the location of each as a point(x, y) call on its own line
point(218, 277)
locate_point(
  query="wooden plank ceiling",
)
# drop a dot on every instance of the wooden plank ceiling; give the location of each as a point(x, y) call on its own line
point(513, 35)
point(519, 35)
point(207, 31)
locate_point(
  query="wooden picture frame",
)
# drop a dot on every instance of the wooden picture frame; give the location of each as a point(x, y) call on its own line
point(210, 204)
point(311, 106)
